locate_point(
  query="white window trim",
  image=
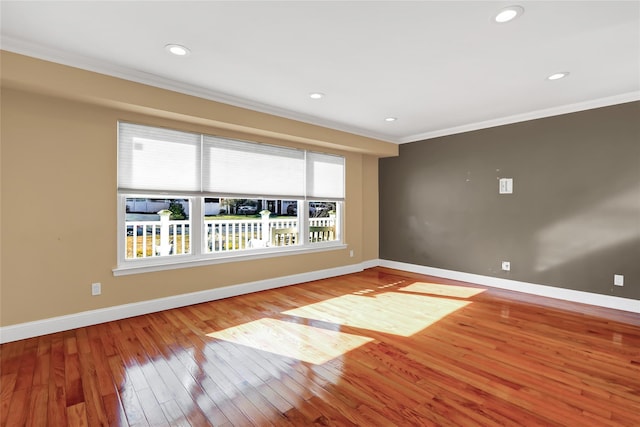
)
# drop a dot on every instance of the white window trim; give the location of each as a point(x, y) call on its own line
point(188, 261)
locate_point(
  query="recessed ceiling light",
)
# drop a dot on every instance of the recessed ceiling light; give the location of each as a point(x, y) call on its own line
point(558, 76)
point(177, 49)
point(390, 119)
point(508, 14)
point(316, 95)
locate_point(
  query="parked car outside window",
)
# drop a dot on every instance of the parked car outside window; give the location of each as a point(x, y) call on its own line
point(293, 210)
point(247, 210)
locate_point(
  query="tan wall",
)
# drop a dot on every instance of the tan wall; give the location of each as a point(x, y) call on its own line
point(370, 205)
point(58, 199)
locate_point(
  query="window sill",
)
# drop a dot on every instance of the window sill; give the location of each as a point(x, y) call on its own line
point(188, 261)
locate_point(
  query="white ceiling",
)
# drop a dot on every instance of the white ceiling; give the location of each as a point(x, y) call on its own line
point(440, 67)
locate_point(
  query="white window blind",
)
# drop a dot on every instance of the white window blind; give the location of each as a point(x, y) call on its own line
point(157, 159)
point(232, 167)
point(325, 176)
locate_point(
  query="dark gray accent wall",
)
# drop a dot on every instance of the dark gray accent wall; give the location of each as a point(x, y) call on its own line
point(573, 220)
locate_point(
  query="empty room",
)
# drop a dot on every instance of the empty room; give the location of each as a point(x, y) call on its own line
point(340, 213)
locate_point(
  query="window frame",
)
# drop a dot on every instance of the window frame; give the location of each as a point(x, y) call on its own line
point(197, 240)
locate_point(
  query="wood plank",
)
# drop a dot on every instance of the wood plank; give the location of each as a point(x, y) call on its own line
point(19, 408)
point(115, 412)
point(38, 405)
point(77, 415)
point(173, 413)
point(7, 387)
point(151, 408)
point(132, 407)
point(73, 381)
point(94, 405)
point(57, 405)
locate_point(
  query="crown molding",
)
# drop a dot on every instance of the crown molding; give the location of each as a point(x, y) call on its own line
point(532, 115)
point(58, 56)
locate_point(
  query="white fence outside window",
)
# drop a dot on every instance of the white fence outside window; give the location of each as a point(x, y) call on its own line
point(145, 238)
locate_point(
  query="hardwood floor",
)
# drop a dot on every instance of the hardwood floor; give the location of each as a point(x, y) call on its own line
point(377, 348)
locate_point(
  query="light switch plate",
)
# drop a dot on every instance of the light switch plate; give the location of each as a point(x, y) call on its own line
point(506, 186)
point(618, 279)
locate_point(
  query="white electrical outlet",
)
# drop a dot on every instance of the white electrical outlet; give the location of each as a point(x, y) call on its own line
point(506, 266)
point(96, 289)
point(618, 279)
point(351, 253)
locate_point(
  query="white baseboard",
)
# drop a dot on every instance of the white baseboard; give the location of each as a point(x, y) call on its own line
point(93, 317)
point(370, 263)
point(617, 303)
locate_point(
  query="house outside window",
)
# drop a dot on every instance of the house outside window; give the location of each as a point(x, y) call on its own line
point(191, 197)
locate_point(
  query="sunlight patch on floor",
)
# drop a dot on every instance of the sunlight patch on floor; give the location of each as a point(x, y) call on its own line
point(302, 342)
point(442, 290)
point(390, 312)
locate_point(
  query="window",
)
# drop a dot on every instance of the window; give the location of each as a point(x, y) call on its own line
point(322, 221)
point(190, 197)
point(152, 234)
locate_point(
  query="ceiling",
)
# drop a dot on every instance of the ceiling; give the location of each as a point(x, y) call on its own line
point(439, 67)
